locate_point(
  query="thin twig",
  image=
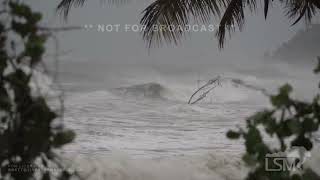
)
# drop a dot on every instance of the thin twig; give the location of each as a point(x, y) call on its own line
point(59, 29)
point(210, 82)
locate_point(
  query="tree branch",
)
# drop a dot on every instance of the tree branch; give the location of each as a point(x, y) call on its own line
point(210, 82)
point(58, 29)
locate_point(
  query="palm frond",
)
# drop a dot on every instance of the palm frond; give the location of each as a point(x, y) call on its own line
point(297, 9)
point(65, 5)
point(266, 8)
point(165, 13)
point(234, 15)
point(179, 12)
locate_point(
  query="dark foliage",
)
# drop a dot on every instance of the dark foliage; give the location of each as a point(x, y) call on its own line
point(166, 13)
point(292, 122)
point(181, 12)
point(27, 135)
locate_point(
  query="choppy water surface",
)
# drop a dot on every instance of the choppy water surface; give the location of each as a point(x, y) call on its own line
point(151, 126)
point(144, 128)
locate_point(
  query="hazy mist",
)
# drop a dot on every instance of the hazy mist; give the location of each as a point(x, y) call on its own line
point(95, 53)
point(257, 37)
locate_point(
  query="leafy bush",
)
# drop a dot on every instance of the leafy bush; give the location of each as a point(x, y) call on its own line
point(291, 122)
point(27, 134)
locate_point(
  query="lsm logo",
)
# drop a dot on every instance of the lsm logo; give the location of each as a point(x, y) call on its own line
point(290, 160)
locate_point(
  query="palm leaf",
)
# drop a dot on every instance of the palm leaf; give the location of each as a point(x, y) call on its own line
point(65, 5)
point(266, 8)
point(164, 13)
point(180, 12)
point(233, 15)
point(301, 8)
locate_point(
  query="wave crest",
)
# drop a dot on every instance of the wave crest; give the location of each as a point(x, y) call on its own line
point(148, 90)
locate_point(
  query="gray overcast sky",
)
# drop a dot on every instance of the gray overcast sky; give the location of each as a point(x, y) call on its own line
point(257, 37)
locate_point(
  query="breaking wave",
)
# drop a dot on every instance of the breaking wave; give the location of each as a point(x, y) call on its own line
point(162, 137)
point(148, 90)
point(228, 91)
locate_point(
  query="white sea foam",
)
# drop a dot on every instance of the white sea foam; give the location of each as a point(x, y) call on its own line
point(119, 166)
point(154, 120)
point(159, 135)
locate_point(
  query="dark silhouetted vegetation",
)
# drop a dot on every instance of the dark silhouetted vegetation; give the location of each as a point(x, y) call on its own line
point(28, 136)
point(291, 122)
point(165, 13)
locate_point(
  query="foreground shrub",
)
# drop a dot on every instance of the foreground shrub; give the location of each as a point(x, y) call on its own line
point(292, 123)
point(27, 134)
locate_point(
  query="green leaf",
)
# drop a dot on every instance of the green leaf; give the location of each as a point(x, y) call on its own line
point(35, 18)
point(63, 137)
point(286, 89)
point(249, 159)
point(271, 126)
point(302, 141)
point(294, 126)
point(253, 139)
point(282, 99)
point(35, 48)
point(309, 125)
point(262, 117)
point(3, 65)
point(233, 135)
point(19, 9)
point(22, 29)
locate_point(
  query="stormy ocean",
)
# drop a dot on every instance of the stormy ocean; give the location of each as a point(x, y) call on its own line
point(134, 122)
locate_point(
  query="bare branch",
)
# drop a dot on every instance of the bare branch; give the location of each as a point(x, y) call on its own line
point(203, 95)
point(59, 29)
